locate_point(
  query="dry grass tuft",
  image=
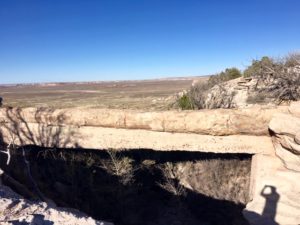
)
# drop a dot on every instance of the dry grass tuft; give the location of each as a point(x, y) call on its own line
point(119, 166)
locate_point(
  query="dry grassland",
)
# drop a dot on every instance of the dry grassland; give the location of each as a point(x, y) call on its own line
point(146, 95)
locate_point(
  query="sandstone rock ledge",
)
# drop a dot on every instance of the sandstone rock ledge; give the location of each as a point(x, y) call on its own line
point(218, 122)
point(286, 138)
point(271, 134)
point(111, 138)
point(275, 179)
point(16, 210)
point(218, 131)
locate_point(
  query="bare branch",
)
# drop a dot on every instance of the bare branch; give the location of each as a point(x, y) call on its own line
point(7, 152)
point(170, 182)
point(119, 166)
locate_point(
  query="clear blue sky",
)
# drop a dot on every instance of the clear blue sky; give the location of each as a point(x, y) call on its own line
point(62, 40)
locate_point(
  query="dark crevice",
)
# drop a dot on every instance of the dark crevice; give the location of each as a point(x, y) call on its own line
point(81, 179)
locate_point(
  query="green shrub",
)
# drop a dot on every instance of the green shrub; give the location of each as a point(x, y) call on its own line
point(228, 74)
point(185, 102)
point(258, 66)
point(195, 98)
point(231, 73)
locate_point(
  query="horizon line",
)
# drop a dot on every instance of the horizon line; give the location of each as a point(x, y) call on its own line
point(104, 81)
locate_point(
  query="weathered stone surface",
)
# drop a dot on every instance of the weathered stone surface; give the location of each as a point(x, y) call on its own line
point(289, 159)
point(286, 130)
point(278, 174)
point(16, 210)
point(144, 120)
point(295, 108)
point(219, 131)
point(105, 138)
point(297, 138)
point(275, 193)
point(283, 123)
point(253, 121)
point(239, 93)
point(230, 94)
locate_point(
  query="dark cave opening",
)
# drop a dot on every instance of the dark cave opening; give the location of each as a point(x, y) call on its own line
point(139, 186)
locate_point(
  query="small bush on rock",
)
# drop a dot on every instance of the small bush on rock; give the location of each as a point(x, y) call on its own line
point(258, 66)
point(198, 93)
point(277, 79)
point(185, 102)
point(228, 74)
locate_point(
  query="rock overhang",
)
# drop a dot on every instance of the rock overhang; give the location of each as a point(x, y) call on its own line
point(219, 131)
point(275, 162)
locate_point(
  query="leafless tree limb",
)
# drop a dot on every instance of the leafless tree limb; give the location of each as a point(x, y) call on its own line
point(119, 166)
point(170, 183)
point(7, 152)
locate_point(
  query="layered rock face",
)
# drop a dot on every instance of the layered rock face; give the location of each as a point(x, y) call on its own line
point(230, 94)
point(237, 93)
point(217, 122)
point(241, 92)
point(286, 138)
point(275, 184)
point(219, 131)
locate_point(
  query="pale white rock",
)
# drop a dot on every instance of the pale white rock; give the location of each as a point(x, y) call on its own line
point(283, 123)
point(253, 121)
point(286, 129)
point(297, 138)
point(295, 108)
point(289, 143)
point(111, 138)
point(290, 160)
point(15, 209)
point(230, 94)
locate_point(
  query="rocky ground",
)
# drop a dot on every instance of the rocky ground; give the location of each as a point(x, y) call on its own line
point(14, 209)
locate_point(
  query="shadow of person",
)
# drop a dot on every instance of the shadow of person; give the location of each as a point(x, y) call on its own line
point(272, 199)
point(269, 212)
